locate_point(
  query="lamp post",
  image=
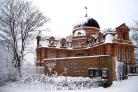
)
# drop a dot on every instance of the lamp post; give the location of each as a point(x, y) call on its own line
point(125, 69)
point(126, 72)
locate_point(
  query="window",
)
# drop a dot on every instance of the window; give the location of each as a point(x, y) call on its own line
point(125, 36)
point(79, 33)
point(93, 72)
point(104, 72)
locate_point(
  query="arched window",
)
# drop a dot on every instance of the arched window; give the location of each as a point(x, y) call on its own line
point(79, 33)
point(124, 36)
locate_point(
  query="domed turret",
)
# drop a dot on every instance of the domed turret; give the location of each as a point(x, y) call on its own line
point(86, 22)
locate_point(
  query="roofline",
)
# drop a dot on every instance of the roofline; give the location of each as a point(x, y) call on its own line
point(82, 57)
point(85, 27)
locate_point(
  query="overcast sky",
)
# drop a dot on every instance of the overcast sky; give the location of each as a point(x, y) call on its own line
point(108, 13)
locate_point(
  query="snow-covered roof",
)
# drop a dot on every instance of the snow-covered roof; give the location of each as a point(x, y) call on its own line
point(109, 35)
point(109, 31)
point(86, 21)
point(109, 38)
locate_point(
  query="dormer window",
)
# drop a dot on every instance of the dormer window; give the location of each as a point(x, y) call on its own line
point(79, 33)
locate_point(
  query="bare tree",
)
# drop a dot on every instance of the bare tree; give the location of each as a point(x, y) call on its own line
point(18, 20)
point(134, 33)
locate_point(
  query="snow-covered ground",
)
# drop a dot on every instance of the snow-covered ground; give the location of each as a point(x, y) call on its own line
point(129, 85)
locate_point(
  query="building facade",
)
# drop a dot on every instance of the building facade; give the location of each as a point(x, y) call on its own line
point(89, 51)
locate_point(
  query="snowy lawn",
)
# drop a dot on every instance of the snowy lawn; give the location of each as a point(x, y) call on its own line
point(129, 85)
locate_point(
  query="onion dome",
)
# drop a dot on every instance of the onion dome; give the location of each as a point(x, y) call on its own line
point(86, 22)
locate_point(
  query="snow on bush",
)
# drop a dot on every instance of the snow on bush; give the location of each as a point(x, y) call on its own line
point(60, 82)
point(33, 78)
point(7, 71)
point(7, 74)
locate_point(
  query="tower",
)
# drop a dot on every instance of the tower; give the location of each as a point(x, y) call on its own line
point(83, 29)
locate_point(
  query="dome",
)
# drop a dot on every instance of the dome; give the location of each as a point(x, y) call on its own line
point(86, 21)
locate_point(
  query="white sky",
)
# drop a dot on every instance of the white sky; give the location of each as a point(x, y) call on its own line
point(108, 13)
point(64, 13)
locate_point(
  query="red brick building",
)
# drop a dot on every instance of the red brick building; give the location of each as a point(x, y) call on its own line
point(87, 52)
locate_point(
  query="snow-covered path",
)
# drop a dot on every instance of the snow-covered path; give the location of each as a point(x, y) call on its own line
point(130, 85)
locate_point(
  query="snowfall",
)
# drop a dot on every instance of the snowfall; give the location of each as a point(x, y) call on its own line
point(128, 85)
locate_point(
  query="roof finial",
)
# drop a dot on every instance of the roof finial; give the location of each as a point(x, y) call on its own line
point(86, 11)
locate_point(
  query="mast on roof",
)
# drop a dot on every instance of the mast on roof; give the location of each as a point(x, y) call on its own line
point(86, 11)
